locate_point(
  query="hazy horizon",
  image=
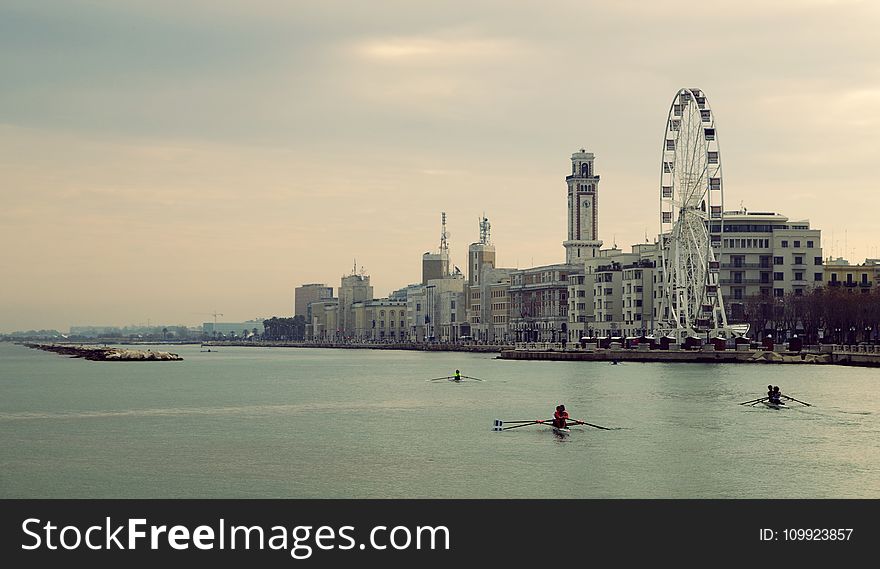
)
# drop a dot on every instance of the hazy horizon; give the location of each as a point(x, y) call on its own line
point(163, 160)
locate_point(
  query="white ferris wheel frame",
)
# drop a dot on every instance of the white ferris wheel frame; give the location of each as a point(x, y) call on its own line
point(691, 220)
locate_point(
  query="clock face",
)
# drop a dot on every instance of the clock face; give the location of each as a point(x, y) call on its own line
point(586, 203)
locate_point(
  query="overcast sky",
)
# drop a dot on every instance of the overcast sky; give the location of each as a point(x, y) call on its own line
point(163, 160)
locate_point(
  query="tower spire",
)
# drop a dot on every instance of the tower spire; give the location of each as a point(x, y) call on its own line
point(583, 205)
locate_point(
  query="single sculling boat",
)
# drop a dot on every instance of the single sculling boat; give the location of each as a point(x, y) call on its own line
point(499, 425)
point(561, 431)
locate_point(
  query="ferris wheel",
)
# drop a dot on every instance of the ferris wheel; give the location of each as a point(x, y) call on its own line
point(691, 220)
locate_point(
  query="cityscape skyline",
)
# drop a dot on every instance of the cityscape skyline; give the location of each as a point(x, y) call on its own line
point(258, 148)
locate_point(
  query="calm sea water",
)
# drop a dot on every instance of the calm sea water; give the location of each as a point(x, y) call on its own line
point(320, 423)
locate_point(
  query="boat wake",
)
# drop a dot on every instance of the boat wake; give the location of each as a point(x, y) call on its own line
point(272, 409)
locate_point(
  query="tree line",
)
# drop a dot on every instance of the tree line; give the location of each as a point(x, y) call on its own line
point(819, 315)
point(289, 329)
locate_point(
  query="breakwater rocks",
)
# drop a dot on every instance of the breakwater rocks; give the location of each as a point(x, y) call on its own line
point(671, 356)
point(106, 354)
point(865, 356)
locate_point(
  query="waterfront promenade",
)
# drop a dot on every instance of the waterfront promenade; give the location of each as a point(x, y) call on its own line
point(861, 355)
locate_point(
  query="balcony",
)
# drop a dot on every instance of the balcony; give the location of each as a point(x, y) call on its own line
point(744, 266)
point(742, 281)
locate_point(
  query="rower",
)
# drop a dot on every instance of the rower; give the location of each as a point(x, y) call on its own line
point(770, 392)
point(777, 396)
point(560, 416)
point(457, 376)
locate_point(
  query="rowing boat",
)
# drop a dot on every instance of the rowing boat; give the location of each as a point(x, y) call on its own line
point(498, 425)
point(561, 431)
point(773, 405)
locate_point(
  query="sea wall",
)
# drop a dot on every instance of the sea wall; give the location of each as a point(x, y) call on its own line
point(831, 357)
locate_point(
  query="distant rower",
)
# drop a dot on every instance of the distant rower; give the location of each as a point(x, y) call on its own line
point(457, 376)
point(776, 397)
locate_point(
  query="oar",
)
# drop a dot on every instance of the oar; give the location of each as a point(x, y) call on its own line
point(754, 401)
point(578, 422)
point(524, 425)
point(469, 377)
point(529, 421)
point(439, 378)
point(801, 402)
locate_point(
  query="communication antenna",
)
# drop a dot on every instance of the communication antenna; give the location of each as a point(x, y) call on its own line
point(485, 227)
point(444, 242)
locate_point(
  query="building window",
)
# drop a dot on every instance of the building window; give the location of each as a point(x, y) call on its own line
point(799, 292)
point(799, 276)
point(778, 292)
point(798, 260)
point(817, 277)
point(817, 260)
point(777, 260)
point(797, 244)
point(778, 276)
point(809, 244)
point(784, 244)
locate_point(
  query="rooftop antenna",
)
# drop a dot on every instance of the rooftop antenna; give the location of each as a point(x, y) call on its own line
point(484, 230)
point(444, 243)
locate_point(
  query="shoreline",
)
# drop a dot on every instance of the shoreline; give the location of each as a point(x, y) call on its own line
point(858, 356)
point(845, 356)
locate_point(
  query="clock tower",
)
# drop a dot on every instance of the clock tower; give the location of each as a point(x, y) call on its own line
point(583, 210)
